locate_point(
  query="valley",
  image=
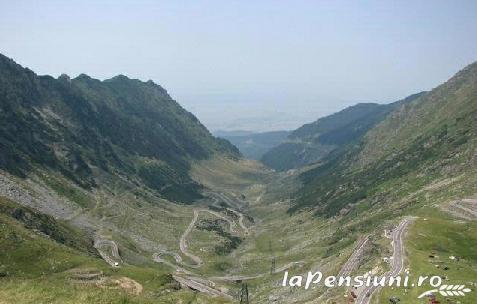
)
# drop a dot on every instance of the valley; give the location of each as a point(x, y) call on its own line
point(111, 192)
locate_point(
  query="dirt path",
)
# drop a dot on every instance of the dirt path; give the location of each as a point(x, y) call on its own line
point(464, 208)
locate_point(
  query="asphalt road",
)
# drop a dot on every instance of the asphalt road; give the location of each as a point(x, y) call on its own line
point(354, 259)
point(112, 257)
point(183, 240)
point(352, 262)
point(240, 215)
point(397, 261)
point(200, 286)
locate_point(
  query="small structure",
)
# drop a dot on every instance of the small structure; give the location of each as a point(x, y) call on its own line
point(394, 300)
point(244, 294)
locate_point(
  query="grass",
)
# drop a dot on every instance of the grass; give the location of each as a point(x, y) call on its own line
point(323, 244)
point(441, 237)
point(66, 189)
point(36, 269)
point(60, 292)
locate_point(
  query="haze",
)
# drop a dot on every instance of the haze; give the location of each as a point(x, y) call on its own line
point(250, 65)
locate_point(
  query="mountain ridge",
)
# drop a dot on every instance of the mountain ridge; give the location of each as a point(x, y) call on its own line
point(311, 142)
point(428, 138)
point(117, 125)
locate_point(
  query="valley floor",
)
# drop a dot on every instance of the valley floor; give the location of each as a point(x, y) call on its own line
point(141, 249)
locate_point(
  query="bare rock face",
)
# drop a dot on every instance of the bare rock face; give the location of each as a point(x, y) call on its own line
point(34, 195)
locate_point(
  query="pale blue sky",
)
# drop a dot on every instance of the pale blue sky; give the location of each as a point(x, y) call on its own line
point(250, 64)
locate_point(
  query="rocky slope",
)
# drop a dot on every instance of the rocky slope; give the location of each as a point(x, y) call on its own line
point(96, 179)
point(85, 128)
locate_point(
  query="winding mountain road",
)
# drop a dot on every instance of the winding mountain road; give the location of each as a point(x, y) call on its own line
point(183, 240)
point(156, 257)
point(241, 217)
point(353, 261)
point(397, 262)
point(200, 286)
point(108, 250)
point(191, 280)
point(231, 223)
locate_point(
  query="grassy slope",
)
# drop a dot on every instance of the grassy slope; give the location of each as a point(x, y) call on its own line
point(427, 170)
point(141, 224)
point(443, 237)
point(431, 138)
point(449, 111)
point(36, 269)
point(322, 243)
point(421, 156)
point(312, 142)
point(325, 244)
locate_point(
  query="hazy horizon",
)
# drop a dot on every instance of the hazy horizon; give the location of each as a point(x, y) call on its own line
point(257, 66)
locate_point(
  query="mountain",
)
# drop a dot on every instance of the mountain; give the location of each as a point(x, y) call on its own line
point(94, 176)
point(99, 182)
point(311, 142)
point(254, 145)
point(417, 169)
point(225, 133)
point(430, 138)
point(85, 128)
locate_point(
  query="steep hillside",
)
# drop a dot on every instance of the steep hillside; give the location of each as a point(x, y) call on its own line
point(423, 141)
point(44, 261)
point(417, 167)
point(311, 142)
point(91, 172)
point(93, 177)
point(254, 145)
point(84, 127)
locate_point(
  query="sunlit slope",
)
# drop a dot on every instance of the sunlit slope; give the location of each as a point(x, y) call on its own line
point(314, 141)
point(44, 261)
point(429, 139)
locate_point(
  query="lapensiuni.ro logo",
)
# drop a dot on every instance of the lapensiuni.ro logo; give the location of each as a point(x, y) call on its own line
point(434, 282)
